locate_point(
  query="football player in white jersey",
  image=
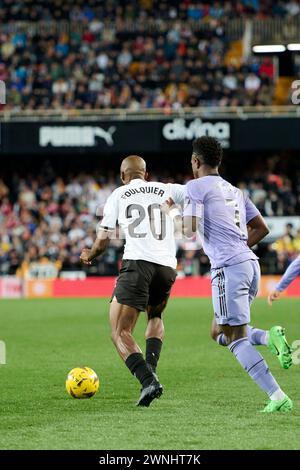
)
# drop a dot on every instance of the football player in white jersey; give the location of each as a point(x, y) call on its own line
point(148, 268)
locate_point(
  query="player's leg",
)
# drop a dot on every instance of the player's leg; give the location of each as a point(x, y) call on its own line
point(220, 306)
point(217, 334)
point(130, 297)
point(154, 335)
point(159, 292)
point(256, 336)
point(255, 365)
point(231, 287)
point(274, 339)
point(122, 320)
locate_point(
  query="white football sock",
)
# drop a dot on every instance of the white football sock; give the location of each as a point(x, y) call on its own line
point(278, 395)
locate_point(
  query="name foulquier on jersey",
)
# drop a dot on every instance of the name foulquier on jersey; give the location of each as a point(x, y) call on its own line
point(149, 233)
point(144, 190)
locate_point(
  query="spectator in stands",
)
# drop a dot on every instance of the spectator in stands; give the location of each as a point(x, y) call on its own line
point(296, 242)
point(285, 248)
point(127, 56)
point(51, 217)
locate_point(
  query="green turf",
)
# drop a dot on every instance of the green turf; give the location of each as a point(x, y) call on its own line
point(209, 401)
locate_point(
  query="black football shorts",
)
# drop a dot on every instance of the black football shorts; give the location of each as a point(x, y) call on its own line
point(142, 283)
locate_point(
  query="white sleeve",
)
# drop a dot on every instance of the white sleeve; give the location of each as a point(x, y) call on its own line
point(110, 213)
point(177, 192)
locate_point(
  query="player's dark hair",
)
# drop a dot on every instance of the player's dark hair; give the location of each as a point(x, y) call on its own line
point(209, 150)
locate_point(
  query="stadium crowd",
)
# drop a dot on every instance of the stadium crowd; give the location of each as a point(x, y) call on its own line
point(47, 217)
point(88, 10)
point(136, 55)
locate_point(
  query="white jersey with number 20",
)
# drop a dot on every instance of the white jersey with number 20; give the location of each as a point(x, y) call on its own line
point(149, 233)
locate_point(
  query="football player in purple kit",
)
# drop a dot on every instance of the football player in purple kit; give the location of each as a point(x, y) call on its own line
point(229, 225)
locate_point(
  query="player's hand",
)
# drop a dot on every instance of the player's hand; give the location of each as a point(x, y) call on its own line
point(167, 205)
point(84, 257)
point(274, 295)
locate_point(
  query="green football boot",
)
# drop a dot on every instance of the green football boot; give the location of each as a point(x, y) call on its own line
point(278, 405)
point(279, 346)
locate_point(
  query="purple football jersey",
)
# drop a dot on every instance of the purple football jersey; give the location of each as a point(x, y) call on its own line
point(224, 212)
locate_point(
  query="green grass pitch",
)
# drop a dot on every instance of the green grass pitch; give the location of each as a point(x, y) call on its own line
point(209, 402)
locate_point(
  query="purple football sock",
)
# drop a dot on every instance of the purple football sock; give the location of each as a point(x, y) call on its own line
point(221, 339)
point(256, 336)
point(253, 362)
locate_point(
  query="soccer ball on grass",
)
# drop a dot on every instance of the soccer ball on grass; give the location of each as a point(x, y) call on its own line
point(82, 382)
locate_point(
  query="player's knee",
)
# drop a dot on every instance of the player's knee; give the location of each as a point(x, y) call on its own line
point(234, 335)
point(155, 311)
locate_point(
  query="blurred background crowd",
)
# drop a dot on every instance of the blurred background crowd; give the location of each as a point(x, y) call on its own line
point(90, 10)
point(136, 55)
point(46, 217)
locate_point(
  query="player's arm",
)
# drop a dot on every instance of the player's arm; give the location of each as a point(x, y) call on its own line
point(99, 246)
point(290, 274)
point(177, 192)
point(188, 223)
point(173, 207)
point(172, 210)
point(193, 208)
point(257, 227)
point(257, 230)
point(104, 231)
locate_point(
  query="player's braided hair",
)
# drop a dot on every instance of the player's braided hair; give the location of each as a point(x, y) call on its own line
point(209, 150)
